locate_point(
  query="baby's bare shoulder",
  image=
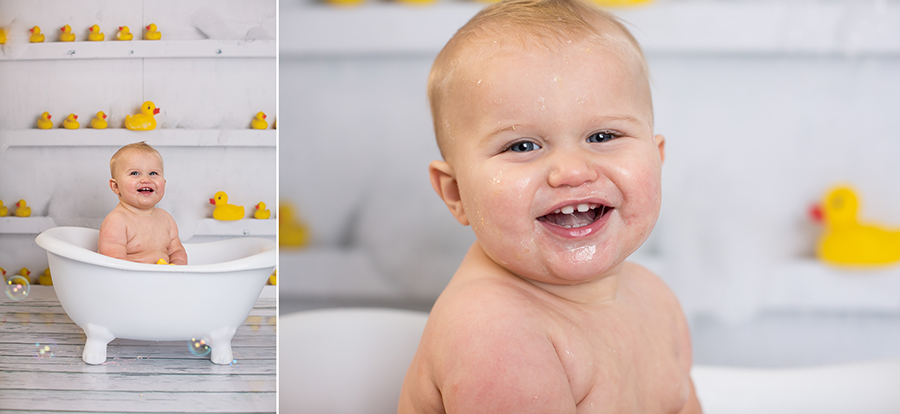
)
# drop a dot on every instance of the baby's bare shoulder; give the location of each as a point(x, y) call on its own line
point(489, 352)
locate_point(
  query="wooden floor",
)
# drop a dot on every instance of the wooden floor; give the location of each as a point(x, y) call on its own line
point(138, 376)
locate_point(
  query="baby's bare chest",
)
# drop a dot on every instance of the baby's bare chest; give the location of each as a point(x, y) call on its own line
point(622, 361)
point(148, 235)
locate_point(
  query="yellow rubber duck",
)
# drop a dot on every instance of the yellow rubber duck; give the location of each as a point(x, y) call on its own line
point(45, 278)
point(24, 272)
point(848, 242)
point(22, 209)
point(44, 121)
point(66, 35)
point(152, 33)
point(124, 33)
point(143, 121)
point(4, 210)
point(2, 37)
point(3, 272)
point(273, 278)
point(225, 211)
point(259, 122)
point(344, 3)
point(71, 122)
point(95, 35)
point(99, 121)
point(162, 262)
point(36, 35)
point(291, 231)
point(262, 212)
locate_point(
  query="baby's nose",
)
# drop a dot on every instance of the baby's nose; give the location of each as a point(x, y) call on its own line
point(572, 170)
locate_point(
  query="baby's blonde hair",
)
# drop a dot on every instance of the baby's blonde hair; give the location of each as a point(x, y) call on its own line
point(142, 147)
point(545, 23)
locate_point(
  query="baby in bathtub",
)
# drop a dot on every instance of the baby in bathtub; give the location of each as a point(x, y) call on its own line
point(543, 116)
point(136, 229)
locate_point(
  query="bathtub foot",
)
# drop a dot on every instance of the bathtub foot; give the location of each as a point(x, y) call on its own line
point(221, 345)
point(95, 347)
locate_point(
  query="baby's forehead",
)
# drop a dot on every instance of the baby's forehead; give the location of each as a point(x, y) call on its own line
point(135, 153)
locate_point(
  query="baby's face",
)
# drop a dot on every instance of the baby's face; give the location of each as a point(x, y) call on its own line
point(556, 162)
point(139, 180)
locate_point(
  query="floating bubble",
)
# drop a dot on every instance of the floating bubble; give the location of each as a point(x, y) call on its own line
point(199, 345)
point(45, 348)
point(17, 287)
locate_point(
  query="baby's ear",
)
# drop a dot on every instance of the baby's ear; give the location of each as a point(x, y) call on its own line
point(447, 188)
point(114, 186)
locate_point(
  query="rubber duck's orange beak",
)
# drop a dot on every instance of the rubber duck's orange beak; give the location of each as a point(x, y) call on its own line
point(148, 27)
point(76, 116)
point(31, 30)
point(17, 204)
point(120, 27)
point(212, 201)
point(155, 111)
point(49, 116)
point(816, 213)
point(104, 116)
point(62, 29)
point(265, 116)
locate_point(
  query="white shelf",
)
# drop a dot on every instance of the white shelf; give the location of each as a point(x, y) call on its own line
point(702, 27)
point(244, 227)
point(813, 285)
point(140, 49)
point(87, 137)
point(25, 225)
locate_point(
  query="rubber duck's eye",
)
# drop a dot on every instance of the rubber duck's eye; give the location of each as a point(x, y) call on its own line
point(524, 146)
point(601, 137)
point(837, 203)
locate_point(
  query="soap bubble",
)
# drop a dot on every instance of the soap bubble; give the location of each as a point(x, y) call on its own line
point(17, 287)
point(45, 348)
point(199, 345)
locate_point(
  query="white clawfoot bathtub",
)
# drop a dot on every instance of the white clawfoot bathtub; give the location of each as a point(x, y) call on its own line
point(329, 354)
point(111, 298)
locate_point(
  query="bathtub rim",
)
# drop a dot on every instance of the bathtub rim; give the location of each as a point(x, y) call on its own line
point(49, 241)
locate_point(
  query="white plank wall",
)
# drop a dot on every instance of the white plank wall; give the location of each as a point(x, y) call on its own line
point(138, 376)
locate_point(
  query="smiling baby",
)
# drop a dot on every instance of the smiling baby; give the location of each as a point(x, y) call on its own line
point(136, 229)
point(543, 115)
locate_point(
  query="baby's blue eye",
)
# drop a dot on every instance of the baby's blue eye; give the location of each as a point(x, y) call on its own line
point(134, 173)
point(154, 173)
point(524, 146)
point(601, 137)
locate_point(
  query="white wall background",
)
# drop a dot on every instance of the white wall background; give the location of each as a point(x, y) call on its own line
point(206, 101)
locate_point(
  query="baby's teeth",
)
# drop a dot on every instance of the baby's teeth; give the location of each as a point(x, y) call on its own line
point(583, 207)
point(567, 210)
point(557, 211)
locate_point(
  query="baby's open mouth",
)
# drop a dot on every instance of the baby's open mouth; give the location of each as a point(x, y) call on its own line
point(145, 190)
point(575, 216)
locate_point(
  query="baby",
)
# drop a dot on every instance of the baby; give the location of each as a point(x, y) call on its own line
point(136, 230)
point(543, 115)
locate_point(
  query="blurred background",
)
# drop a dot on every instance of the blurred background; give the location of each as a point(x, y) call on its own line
point(765, 106)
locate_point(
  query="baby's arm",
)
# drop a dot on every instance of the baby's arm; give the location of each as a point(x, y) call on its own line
point(113, 237)
point(177, 254)
point(499, 362)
